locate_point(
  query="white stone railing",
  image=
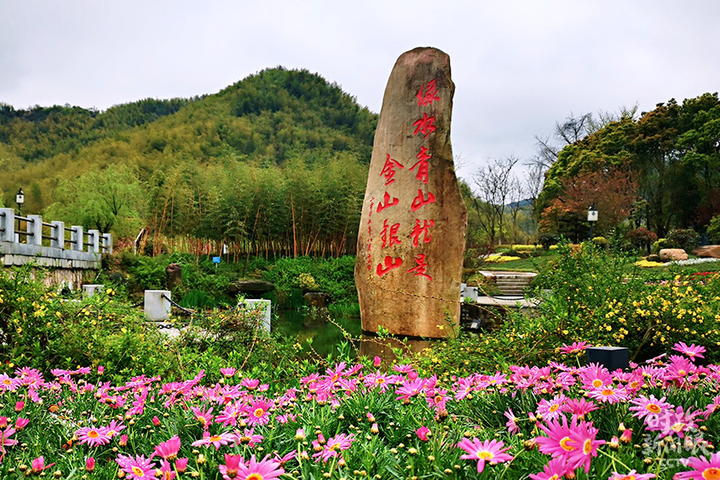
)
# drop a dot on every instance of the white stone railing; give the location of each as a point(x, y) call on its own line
point(24, 239)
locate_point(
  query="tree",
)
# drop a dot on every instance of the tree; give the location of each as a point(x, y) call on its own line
point(613, 192)
point(109, 199)
point(493, 184)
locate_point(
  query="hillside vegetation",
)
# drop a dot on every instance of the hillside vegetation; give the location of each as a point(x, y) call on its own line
point(276, 161)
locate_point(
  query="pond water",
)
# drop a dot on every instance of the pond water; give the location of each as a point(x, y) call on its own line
point(306, 324)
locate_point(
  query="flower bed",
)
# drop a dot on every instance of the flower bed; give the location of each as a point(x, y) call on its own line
point(355, 421)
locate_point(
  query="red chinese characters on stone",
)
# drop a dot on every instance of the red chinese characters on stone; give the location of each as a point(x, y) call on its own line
point(428, 93)
point(388, 170)
point(389, 264)
point(419, 270)
point(389, 234)
point(387, 202)
point(420, 200)
point(423, 230)
point(422, 165)
point(425, 125)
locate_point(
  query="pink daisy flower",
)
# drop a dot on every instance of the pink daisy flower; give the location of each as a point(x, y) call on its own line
point(205, 417)
point(93, 436)
point(649, 407)
point(334, 446)
point(232, 466)
point(214, 440)
point(703, 469)
point(248, 437)
point(258, 412)
point(169, 449)
point(633, 475)
point(136, 468)
point(228, 372)
point(38, 465)
point(512, 421)
point(575, 347)
point(422, 433)
point(265, 469)
point(489, 451)
point(608, 394)
point(693, 351)
point(550, 409)
point(595, 376)
point(579, 407)
point(554, 470)
point(114, 428)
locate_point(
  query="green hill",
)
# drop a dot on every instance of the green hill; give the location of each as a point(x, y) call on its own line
point(247, 164)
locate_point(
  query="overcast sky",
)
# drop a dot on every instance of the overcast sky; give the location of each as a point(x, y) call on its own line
point(518, 66)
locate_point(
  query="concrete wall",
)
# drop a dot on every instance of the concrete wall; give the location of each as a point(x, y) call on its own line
point(57, 266)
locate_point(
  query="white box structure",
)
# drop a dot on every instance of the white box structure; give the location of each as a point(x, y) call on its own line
point(468, 292)
point(90, 289)
point(157, 305)
point(263, 306)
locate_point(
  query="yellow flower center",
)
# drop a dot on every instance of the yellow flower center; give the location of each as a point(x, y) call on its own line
point(485, 455)
point(215, 438)
point(553, 407)
point(651, 407)
point(564, 443)
point(712, 473)
point(259, 412)
point(587, 447)
point(93, 434)
point(254, 476)
point(607, 392)
point(138, 472)
point(597, 383)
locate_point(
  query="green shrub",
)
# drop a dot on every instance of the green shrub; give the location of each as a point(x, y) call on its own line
point(601, 242)
point(641, 238)
point(713, 229)
point(547, 240)
point(604, 300)
point(684, 238)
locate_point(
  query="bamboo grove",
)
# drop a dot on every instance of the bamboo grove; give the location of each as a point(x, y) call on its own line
point(275, 164)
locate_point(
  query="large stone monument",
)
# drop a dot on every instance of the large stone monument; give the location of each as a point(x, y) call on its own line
point(412, 230)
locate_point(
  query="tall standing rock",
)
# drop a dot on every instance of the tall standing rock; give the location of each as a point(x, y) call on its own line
point(412, 231)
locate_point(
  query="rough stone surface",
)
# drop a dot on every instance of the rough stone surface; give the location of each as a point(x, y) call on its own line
point(317, 299)
point(412, 230)
point(708, 251)
point(174, 275)
point(672, 254)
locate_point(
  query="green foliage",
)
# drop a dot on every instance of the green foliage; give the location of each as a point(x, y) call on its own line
point(641, 239)
point(713, 230)
point(547, 240)
point(112, 198)
point(275, 163)
point(334, 276)
point(686, 239)
point(672, 153)
point(602, 299)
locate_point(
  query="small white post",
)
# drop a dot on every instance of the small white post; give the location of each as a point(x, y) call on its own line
point(7, 222)
point(94, 245)
point(107, 243)
point(77, 238)
point(34, 230)
point(58, 235)
point(90, 289)
point(157, 305)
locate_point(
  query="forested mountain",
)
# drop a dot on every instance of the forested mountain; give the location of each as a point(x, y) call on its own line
point(667, 161)
point(279, 159)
